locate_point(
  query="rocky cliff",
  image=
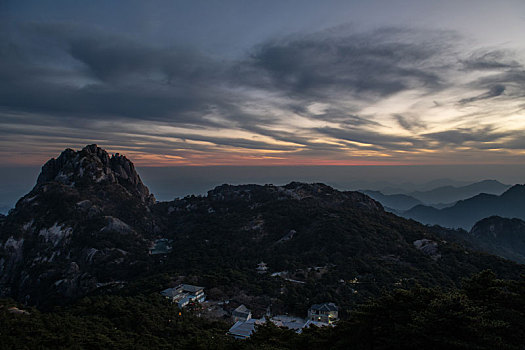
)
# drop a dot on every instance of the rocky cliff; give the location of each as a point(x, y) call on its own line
point(93, 165)
point(82, 226)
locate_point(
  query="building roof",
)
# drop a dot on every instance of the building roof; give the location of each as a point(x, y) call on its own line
point(290, 322)
point(316, 323)
point(180, 290)
point(241, 311)
point(191, 289)
point(170, 292)
point(244, 328)
point(324, 307)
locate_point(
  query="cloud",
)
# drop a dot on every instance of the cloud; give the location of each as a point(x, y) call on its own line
point(491, 60)
point(334, 94)
point(494, 91)
point(463, 135)
point(379, 63)
point(102, 76)
point(409, 123)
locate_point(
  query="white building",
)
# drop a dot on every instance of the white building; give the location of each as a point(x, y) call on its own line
point(184, 294)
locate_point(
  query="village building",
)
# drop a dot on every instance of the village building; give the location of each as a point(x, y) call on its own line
point(323, 313)
point(291, 322)
point(244, 329)
point(242, 313)
point(184, 294)
point(319, 315)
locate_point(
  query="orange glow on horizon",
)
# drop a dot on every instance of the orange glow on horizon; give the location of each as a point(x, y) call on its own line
point(247, 157)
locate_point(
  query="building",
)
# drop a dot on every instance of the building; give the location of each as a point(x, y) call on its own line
point(243, 329)
point(184, 294)
point(319, 315)
point(291, 322)
point(241, 314)
point(323, 313)
point(261, 267)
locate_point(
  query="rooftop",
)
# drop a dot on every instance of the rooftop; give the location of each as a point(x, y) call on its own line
point(192, 289)
point(244, 328)
point(241, 311)
point(324, 307)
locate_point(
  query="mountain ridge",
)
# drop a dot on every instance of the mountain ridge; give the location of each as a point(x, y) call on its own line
point(466, 213)
point(87, 228)
point(450, 194)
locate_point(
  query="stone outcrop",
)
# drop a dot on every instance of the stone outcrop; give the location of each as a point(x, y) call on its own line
point(86, 211)
point(93, 165)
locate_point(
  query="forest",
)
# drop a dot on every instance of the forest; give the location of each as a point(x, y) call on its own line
point(484, 313)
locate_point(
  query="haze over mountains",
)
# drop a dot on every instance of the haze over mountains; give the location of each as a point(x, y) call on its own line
point(451, 194)
point(465, 213)
point(474, 202)
point(439, 197)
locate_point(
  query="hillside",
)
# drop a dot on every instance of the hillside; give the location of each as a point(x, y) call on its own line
point(89, 223)
point(500, 236)
point(486, 313)
point(464, 214)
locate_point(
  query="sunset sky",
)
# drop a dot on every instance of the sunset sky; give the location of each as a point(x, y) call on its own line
point(264, 82)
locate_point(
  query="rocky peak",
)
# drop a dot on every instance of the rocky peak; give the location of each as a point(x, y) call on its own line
point(496, 227)
point(93, 165)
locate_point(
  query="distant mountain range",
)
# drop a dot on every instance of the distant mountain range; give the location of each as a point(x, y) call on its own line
point(465, 213)
point(408, 187)
point(393, 201)
point(451, 194)
point(439, 198)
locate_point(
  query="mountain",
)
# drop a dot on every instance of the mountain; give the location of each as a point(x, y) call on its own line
point(501, 236)
point(451, 194)
point(84, 223)
point(466, 213)
point(408, 187)
point(90, 226)
point(394, 201)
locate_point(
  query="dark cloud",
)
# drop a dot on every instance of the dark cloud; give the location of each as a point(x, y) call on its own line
point(507, 75)
point(463, 135)
point(494, 91)
point(377, 63)
point(376, 139)
point(103, 76)
point(409, 123)
point(491, 60)
point(68, 78)
point(513, 80)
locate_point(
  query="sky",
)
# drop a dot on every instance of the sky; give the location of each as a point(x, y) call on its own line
point(255, 83)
